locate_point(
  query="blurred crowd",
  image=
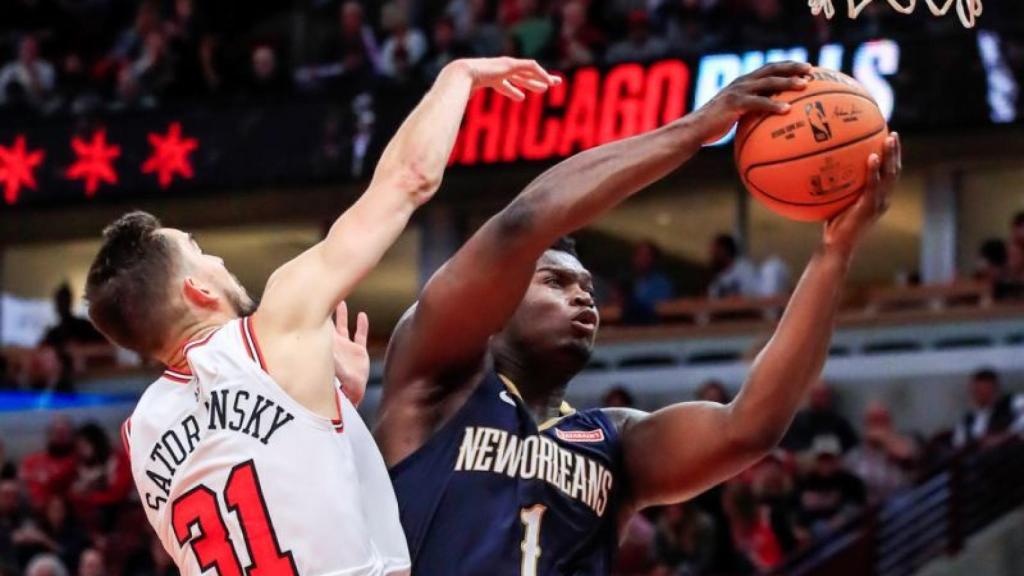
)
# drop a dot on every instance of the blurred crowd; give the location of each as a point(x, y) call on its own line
point(1001, 262)
point(823, 476)
point(116, 55)
point(71, 507)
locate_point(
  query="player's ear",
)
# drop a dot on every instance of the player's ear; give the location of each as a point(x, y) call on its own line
point(197, 294)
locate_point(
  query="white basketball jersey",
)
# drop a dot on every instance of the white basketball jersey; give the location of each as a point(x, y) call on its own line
point(238, 479)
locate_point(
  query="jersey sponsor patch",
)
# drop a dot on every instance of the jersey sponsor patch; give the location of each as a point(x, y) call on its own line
point(596, 435)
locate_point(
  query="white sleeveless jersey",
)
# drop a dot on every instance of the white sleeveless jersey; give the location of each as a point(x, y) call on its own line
point(238, 479)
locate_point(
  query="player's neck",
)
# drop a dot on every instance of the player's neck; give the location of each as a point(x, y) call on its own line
point(174, 357)
point(541, 385)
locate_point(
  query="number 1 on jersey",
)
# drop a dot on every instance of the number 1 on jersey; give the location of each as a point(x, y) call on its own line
point(531, 518)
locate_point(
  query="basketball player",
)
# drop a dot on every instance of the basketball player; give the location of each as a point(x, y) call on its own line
point(494, 473)
point(246, 456)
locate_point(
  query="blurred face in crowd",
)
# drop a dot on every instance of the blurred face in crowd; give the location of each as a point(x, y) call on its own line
point(60, 438)
point(643, 258)
point(984, 392)
point(264, 63)
point(721, 257)
point(1017, 230)
point(147, 19)
point(28, 51)
point(444, 34)
point(821, 398)
point(351, 18)
point(826, 464)
point(56, 512)
point(574, 15)
point(8, 497)
point(713, 392)
point(183, 8)
point(556, 320)
point(617, 398)
point(91, 563)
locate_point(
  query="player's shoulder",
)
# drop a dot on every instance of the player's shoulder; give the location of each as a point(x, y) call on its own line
point(621, 418)
point(162, 400)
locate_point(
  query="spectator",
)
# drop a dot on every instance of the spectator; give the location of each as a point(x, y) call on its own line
point(476, 27)
point(51, 472)
point(578, 40)
point(7, 468)
point(70, 330)
point(54, 531)
point(152, 560)
point(356, 44)
point(446, 48)
point(713, 391)
point(774, 487)
point(647, 287)
point(992, 261)
point(46, 565)
point(533, 30)
point(91, 563)
point(266, 83)
point(752, 535)
point(819, 420)
point(103, 478)
point(732, 274)
point(404, 47)
point(12, 515)
point(635, 555)
point(993, 415)
point(618, 397)
point(828, 496)
point(776, 279)
point(29, 80)
point(684, 540)
point(640, 45)
point(885, 461)
point(131, 43)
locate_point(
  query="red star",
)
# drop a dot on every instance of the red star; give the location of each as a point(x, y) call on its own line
point(170, 155)
point(95, 162)
point(17, 166)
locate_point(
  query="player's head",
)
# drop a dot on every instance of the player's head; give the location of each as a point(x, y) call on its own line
point(556, 321)
point(149, 283)
point(984, 388)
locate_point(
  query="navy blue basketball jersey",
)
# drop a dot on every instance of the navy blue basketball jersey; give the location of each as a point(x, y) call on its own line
point(492, 493)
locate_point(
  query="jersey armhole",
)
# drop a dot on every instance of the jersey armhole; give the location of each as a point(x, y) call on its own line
point(126, 435)
point(252, 345)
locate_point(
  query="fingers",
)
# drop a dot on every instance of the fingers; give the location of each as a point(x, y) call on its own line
point(362, 329)
point(762, 104)
point(511, 91)
point(787, 68)
point(872, 190)
point(776, 84)
point(531, 84)
point(530, 68)
point(341, 320)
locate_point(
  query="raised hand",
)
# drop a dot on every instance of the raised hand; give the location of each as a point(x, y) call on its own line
point(847, 228)
point(750, 94)
point(509, 76)
point(351, 359)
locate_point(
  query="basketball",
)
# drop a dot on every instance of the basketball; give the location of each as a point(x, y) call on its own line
point(811, 162)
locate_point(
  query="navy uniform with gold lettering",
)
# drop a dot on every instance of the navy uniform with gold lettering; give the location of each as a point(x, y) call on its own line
point(494, 489)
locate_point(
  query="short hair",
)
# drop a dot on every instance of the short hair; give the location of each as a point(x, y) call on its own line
point(986, 375)
point(128, 284)
point(728, 243)
point(565, 244)
point(994, 252)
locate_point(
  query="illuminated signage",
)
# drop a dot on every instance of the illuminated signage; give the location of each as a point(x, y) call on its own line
point(592, 106)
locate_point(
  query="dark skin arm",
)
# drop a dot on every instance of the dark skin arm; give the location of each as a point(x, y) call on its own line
point(437, 352)
point(700, 444)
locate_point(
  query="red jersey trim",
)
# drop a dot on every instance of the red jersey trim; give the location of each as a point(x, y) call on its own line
point(177, 377)
point(252, 345)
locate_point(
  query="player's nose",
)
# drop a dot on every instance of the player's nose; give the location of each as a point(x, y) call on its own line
point(582, 298)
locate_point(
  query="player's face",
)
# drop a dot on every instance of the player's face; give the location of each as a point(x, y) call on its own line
point(558, 312)
point(208, 272)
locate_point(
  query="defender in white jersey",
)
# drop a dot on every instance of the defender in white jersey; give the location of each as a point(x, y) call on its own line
point(246, 456)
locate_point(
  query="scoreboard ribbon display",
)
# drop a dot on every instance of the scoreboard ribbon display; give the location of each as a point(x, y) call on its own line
point(964, 81)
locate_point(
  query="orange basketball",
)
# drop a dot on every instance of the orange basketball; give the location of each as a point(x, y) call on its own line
point(811, 162)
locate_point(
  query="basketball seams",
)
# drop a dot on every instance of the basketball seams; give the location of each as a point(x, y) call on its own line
point(741, 144)
point(746, 173)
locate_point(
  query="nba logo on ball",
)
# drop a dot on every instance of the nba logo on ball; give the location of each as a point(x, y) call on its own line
point(811, 162)
point(819, 123)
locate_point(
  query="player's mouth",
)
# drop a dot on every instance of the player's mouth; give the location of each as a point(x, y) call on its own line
point(585, 322)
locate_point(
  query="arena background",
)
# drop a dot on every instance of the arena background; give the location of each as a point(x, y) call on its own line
point(253, 124)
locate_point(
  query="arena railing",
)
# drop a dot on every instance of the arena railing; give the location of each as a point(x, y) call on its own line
point(967, 493)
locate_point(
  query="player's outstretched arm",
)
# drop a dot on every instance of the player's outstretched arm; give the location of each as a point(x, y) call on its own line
point(302, 294)
point(477, 290)
point(682, 450)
